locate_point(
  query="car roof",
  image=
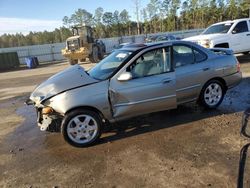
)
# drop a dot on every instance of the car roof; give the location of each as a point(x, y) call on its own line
point(141, 46)
point(230, 21)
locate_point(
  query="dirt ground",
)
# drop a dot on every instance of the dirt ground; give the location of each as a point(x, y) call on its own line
point(186, 147)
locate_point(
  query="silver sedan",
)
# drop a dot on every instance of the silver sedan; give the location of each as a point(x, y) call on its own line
point(134, 80)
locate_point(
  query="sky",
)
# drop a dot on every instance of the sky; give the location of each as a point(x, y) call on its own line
point(39, 15)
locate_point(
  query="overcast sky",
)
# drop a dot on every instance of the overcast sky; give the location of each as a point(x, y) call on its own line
point(39, 15)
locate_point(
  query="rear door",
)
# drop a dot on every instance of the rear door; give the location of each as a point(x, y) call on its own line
point(152, 87)
point(192, 71)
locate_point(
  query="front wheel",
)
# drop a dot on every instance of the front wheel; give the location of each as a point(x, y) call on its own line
point(212, 94)
point(73, 61)
point(94, 56)
point(81, 128)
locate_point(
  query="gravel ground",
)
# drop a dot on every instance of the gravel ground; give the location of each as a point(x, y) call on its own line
point(185, 147)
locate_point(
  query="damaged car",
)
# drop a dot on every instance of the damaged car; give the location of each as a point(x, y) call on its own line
point(132, 81)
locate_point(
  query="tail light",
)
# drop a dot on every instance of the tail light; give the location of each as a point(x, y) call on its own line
point(238, 66)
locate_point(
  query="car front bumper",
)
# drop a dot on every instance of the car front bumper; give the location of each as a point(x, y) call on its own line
point(49, 122)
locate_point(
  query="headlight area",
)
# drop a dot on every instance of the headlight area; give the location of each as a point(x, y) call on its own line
point(47, 110)
point(48, 119)
point(206, 43)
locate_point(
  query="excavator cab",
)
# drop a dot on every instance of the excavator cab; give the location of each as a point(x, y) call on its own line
point(75, 31)
point(85, 33)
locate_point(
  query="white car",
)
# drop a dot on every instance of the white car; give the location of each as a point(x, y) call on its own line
point(229, 34)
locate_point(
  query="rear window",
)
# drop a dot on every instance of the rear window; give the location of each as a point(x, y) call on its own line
point(199, 56)
point(187, 55)
point(183, 55)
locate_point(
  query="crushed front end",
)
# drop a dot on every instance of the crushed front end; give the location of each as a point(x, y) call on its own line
point(47, 118)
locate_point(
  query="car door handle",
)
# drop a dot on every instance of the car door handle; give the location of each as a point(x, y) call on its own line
point(248, 34)
point(206, 69)
point(166, 81)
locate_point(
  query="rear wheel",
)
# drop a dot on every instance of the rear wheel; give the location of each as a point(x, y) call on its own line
point(81, 128)
point(212, 94)
point(94, 57)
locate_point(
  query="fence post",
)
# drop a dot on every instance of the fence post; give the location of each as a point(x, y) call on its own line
point(28, 52)
point(52, 52)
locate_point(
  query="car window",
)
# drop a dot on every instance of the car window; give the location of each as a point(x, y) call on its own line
point(241, 27)
point(199, 56)
point(183, 55)
point(151, 63)
point(162, 38)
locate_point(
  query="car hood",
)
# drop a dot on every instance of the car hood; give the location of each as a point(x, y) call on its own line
point(204, 37)
point(72, 77)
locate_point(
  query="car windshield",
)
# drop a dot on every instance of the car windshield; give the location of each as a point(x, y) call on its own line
point(220, 28)
point(161, 38)
point(108, 65)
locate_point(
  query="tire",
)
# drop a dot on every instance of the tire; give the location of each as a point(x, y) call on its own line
point(245, 53)
point(94, 57)
point(100, 53)
point(79, 133)
point(212, 94)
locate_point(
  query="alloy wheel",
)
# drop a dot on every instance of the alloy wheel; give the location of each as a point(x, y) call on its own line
point(213, 94)
point(82, 129)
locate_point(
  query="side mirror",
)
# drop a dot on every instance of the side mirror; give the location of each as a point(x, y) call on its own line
point(125, 76)
point(234, 32)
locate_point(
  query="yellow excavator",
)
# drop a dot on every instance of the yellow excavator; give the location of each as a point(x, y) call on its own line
point(82, 45)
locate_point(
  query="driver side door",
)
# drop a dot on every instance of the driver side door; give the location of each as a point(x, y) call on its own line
point(240, 37)
point(152, 86)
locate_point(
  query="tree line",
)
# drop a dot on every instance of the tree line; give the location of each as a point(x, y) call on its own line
point(156, 16)
point(34, 38)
